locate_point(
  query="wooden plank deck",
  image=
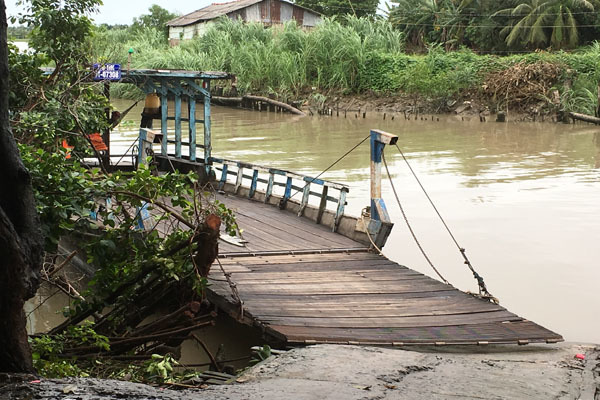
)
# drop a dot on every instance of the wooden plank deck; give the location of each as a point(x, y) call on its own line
point(302, 283)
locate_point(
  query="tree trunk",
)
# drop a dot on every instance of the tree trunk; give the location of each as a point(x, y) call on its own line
point(21, 242)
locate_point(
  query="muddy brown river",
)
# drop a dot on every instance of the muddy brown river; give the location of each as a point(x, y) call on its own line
point(522, 198)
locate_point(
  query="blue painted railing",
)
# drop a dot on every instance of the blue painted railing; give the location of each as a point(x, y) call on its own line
point(240, 174)
point(183, 86)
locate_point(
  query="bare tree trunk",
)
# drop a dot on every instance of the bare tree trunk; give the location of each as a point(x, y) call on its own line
point(21, 242)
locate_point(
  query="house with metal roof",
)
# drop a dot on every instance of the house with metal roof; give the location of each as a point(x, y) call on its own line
point(269, 12)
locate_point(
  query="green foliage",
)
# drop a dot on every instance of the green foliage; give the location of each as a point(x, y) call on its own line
point(496, 25)
point(47, 351)
point(160, 368)
point(18, 32)
point(260, 355)
point(284, 59)
point(331, 8)
point(541, 23)
point(60, 28)
point(156, 18)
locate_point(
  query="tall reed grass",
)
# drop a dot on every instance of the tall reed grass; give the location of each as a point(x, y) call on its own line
point(351, 54)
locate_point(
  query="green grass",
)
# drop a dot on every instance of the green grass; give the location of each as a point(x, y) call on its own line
point(353, 55)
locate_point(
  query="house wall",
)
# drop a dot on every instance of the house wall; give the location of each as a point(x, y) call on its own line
point(178, 33)
point(268, 12)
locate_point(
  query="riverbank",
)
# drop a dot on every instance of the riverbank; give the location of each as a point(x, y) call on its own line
point(354, 372)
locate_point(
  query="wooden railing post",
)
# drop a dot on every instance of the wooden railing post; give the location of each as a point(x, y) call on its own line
point(380, 224)
point(207, 134)
point(145, 140)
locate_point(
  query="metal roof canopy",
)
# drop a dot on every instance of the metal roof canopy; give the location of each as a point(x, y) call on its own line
point(179, 84)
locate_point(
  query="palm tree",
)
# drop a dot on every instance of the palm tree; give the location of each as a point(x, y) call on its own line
point(421, 18)
point(415, 17)
point(541, 23)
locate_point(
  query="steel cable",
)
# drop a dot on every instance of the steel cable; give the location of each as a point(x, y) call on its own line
point(483, 291)
point(412, 232)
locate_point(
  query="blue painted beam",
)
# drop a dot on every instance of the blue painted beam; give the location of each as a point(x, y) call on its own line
point(253, 184)
point(207, 134)
point(192, 128)
point(163, 117)
point(269, 190)
point(178, 126)
point(223, 177)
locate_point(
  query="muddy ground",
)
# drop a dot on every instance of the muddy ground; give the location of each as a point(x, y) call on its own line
point(353, 372)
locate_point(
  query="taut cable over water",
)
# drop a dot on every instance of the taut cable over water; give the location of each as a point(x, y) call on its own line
point(483, 291)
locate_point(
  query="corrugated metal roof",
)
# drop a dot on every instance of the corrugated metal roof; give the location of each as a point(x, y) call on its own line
point(216, 10)
point(212, 11)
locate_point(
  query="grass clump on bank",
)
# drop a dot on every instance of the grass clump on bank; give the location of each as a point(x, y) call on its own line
point(356, 55)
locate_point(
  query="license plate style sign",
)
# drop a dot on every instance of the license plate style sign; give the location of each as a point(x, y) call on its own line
point(107, 72)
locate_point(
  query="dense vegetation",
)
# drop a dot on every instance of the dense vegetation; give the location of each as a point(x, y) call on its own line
point(357, 55)
point(52, 117)
point(497, 26)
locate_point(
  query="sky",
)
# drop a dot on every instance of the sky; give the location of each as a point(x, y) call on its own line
point(123, 11)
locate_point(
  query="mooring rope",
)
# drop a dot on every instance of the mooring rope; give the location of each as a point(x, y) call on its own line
point(483, 291)
point(326, 169)
point(412, 232)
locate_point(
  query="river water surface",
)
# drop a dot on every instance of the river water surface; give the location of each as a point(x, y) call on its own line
point(522, 198)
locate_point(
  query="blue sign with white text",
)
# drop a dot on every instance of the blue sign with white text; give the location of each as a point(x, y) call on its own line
point(107, 72)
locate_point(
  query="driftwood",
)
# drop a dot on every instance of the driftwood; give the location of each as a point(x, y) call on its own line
point(239, 100)
point(584, 117)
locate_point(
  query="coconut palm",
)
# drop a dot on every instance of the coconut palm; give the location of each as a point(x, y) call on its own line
point(415, 17)
point(420, 18)
point(543, 23)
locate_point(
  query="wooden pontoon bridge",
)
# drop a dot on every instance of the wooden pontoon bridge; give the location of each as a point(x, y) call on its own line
point(305, 272)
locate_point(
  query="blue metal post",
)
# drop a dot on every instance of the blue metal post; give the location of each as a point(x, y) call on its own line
point(223, 177)
point(178, 125)
point(253, 184)
point(192, 130)
point(163, 117)
point(380, 224)
point(207, 138)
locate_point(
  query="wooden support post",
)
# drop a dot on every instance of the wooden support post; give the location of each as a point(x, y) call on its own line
point(253, 184)
point(145, 140)
point(238, 180)
point(178, 124)
point(340, 209)
point(192, 127)
point(163, 117)
point(287, 193)
point(305, 196)
point(223, 177)
point(269, 190)
point(380, 225)
point(207, 134)
point(322, 204)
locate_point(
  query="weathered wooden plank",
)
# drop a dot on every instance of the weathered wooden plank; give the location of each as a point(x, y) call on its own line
point(369, 312)
point(247, 275)
point(395, 322)
point(282, 221)
point(345, 288)
point(339, 279)
point(311, 258)
point(494, 332)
